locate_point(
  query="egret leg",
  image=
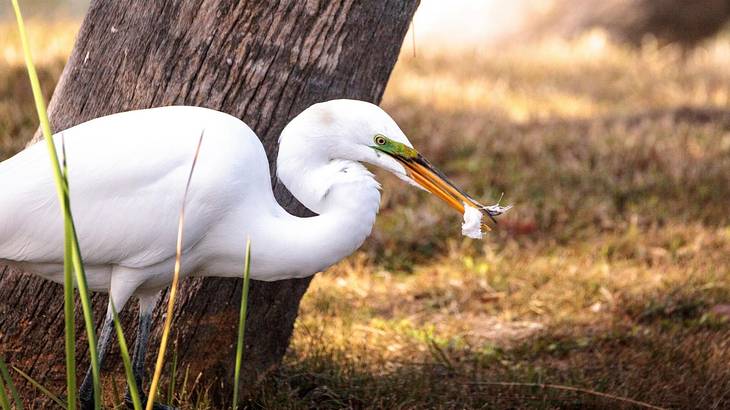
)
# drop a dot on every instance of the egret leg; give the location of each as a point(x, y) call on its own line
point(86, 392)
point(119, 294)
point(146, 307)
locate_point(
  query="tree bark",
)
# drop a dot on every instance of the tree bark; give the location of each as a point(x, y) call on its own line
point(262, 61)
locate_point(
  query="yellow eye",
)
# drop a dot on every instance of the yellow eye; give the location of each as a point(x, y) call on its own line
point(380, 140)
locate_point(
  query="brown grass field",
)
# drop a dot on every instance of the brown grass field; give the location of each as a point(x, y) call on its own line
point(610, 274)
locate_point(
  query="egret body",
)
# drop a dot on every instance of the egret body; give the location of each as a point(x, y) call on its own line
point(127, 175)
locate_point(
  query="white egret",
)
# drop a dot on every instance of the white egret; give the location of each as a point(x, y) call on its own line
point(127, 173)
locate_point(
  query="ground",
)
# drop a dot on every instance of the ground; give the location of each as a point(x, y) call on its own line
point(611, 274)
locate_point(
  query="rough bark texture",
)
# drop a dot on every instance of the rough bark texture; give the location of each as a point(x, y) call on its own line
point(262, 61)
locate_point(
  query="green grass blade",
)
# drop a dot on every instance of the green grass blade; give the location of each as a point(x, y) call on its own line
point(70, 333)
point(72, 248)
point(4, 402)
point(10, 384)
point(41, 388)
point(68, 306)
point(137, 403)
point(61, 183)
point(87, 310)
point(242, 323)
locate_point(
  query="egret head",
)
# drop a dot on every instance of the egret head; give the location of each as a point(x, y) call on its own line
point(360, 131)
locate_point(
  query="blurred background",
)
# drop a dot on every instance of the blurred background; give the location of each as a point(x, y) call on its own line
point(607, 126)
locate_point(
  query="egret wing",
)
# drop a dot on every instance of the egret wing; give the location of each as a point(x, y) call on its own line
point(127, 175)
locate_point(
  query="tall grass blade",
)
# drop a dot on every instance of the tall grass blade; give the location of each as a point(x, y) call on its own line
point(71, 240)
point(41, 388)
point(86, 307)
point(173, 287)
point(4, 402)
point(10, 386)
point(68, 303)
point(242, 322)
point(131, 382)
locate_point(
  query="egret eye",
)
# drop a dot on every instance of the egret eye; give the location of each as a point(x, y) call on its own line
point(380, 140)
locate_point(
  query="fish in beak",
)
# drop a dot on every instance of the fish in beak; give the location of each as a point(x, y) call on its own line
point(434, 181)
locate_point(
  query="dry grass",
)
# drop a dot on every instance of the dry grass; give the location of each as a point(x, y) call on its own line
point(604, 276)
point(53, 42)
point(581, 78)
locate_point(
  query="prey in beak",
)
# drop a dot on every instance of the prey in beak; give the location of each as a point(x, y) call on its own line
point(434, 181)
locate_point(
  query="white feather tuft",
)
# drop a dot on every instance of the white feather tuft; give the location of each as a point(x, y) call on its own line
point(472, 226)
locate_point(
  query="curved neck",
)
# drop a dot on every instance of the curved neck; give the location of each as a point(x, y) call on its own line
point(285, 246)
point(346, 197)
point(343, 193)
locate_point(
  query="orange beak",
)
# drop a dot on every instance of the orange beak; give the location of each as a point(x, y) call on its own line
point(434, 181)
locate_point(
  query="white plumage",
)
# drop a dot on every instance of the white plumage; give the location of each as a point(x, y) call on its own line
point(127, 175)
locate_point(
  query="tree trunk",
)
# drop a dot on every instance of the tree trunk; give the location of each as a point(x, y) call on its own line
point(262, 61)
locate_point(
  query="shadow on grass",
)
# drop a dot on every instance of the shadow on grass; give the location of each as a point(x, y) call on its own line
point(666, 351)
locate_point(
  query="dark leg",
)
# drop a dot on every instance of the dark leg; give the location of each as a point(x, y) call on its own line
point(146, 306)
point(86, 392)
point(140, 348)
